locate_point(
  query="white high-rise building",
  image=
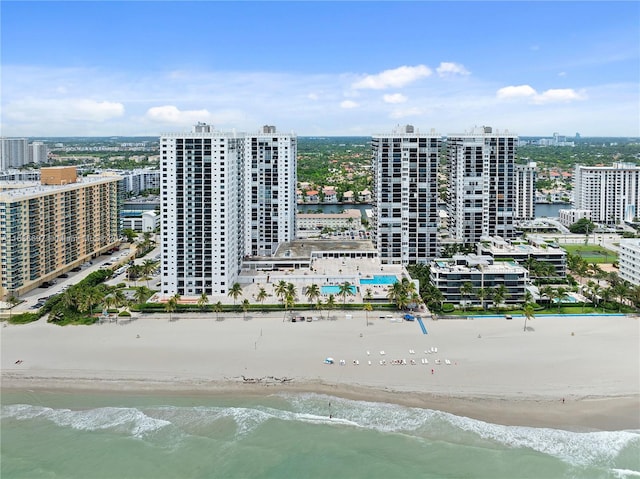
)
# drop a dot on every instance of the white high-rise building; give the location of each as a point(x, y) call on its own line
point(270, 190)
point(481, 199)
point(14, 153)
point(38, 153)
point(525, 192)
point(405, 196)
point(612, 193)
point(211, 212)
point(629, 260)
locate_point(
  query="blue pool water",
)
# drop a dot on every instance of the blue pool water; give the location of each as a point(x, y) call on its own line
point(334, 289)
point(380, 279)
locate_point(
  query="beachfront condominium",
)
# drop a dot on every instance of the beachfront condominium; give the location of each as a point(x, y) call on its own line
point(50, 227)
point(405, 196)
point(629, 260)
point(270, 190)
point(224, 196)
point(525, 192)
point(481, 196)
point(611, 193)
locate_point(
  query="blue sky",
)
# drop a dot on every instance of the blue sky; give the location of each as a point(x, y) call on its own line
point(85, 68)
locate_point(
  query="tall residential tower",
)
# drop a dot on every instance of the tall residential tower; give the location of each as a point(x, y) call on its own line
point(481, 184)
point(224, 196)
point(405, 199)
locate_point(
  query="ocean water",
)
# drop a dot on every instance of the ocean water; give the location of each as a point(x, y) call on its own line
point(83, 435)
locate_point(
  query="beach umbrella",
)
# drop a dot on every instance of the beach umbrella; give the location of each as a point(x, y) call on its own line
point(328, 361)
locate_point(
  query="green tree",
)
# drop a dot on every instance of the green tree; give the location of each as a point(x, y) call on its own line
point(262, 295)
point(583, 226)
point(529, 314)
point(245, 308)
point(367, 309)
point(235, 292)
point(217, 308)
point(203, 301)
point(346, 289)
point(466, 290)
point(170, 306)
point(312, 293)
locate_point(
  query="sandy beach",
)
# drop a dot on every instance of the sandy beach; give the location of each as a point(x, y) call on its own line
point(578, 373)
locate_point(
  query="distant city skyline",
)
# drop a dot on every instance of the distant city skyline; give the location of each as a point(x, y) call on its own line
point(319, 68)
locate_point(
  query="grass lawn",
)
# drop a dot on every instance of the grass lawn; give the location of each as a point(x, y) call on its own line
point(592, 253)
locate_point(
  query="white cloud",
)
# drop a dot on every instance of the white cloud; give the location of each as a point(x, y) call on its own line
point(171, 114)
point(515, 92)
point(449, 69)
point(559, 95)
point(395, 78)
point(348, 104)
point(394, 98)
point(313, 96)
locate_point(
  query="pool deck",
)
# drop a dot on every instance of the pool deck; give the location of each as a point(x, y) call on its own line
point(323, 272)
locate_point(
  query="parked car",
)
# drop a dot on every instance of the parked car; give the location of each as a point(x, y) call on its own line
point(63, 275)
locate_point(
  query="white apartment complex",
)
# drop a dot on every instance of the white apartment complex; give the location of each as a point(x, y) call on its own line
point(481, 199)
point(17, 152)
point(223, 196)
point(629, 260)
point(612, 193)
point(525, 191)
point(270, 190)
point(405, 195)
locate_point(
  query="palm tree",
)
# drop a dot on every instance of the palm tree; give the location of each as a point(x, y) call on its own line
point(319, 307)
point(331, 302)
point(559, 294)
point(312, 293)
point(235, 292)
point(466, 289)
point(281, 290)
point(245, 308)
point(141, 294)
point(134, 272)
point(368, 296)
point(203, 301)
point(344, 291)
point(482, 294)
point(500, 294)
point(548, 292)
point(367, 308)
point(529, 313)
point(171, 305)
point(262, 295)
point(217, 308)
point(147, 268)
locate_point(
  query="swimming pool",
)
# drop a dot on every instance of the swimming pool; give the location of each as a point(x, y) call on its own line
point(335, 289)
point(380, 279)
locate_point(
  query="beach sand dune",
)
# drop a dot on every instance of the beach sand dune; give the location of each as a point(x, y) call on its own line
point(484, 368)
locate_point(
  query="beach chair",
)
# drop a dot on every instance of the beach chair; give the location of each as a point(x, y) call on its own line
point(446, 361)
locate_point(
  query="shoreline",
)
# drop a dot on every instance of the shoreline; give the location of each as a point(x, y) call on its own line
point(577, 414)
point(487, 369)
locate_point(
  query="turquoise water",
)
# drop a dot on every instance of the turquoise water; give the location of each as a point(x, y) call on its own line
point(82, 435)
point(380, 279)
point(335, 289)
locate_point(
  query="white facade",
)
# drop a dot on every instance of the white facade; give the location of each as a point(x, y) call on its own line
point(568, 217)
point(629, 260)
point(269, 190)
point(612, 193)
point(137, 181)
point(525, 192)
point(218, 194)
point(482, 189)
point(14, 153)
point(405, 195)
point(38, 153)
